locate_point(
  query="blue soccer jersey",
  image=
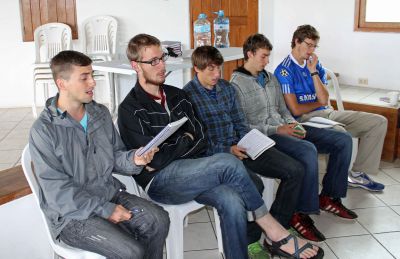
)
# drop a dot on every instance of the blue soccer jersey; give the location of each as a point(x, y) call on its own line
point(296, 79)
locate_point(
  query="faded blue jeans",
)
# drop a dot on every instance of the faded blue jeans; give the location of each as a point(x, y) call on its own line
point(220, 181)
point(142, 236)
point(337, 144)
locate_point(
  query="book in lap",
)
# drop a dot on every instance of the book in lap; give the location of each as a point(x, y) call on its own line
point(320, 122)
point(162, 135)
point(255, 143)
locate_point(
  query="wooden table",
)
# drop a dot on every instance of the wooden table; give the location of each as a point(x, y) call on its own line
point(367, 99)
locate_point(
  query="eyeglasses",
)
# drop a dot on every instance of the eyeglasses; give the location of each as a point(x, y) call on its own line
point(155, 61)
point(310, 45)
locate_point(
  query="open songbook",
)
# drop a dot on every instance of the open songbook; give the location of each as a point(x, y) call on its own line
point(255, 143)
point(320, 122)
point(162, 135)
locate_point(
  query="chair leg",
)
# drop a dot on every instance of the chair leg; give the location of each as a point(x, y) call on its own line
point(111, 101)
point(34, 112)
point(218, 231)
point(174, 241)
point(46, 91)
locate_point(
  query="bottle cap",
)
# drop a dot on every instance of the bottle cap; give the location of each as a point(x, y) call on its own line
point(220, 13)
point(202, 16)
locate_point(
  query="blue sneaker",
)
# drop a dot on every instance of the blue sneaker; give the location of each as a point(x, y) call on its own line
point(362, 180)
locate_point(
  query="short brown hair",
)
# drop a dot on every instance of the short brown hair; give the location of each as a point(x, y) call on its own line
point(137, 43)
point(255, 42)
point(303, 32)
point(205, 56)
point(61, 64)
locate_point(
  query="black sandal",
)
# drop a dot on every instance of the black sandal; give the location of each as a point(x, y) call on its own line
point(274, 248)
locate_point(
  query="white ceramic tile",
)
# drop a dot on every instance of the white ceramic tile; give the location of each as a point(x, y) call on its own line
point(5, 166)
point(356, 247)
point(384, 164)
point(383, 178)
point(328, 254)
point(8, 125)
point(396, 209)
point(11, 117)
point(199, 236)
point(391, 195)
point(378, 220)
point(204, 254)
point(391, 242)
point(358, 198)
point(19, 133)
point(393, 172)
point(199, 216)
point(333, 226)
point(4, 133)
point(13, 144)
point(25, 123)
point(9, 156)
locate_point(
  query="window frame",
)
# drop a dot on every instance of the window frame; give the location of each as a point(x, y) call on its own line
point(360, 24)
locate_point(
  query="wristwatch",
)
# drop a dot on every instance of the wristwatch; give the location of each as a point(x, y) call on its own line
point(314, 73)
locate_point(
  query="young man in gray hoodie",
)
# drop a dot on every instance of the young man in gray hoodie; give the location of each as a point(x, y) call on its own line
point(260, 96)
point(75, 149)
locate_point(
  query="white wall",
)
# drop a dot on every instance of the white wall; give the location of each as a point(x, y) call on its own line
point(353, 54)
point(165, 19)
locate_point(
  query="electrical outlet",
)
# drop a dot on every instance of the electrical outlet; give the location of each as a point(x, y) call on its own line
point(363, 81)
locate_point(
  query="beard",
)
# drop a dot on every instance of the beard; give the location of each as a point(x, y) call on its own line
point(153, 79)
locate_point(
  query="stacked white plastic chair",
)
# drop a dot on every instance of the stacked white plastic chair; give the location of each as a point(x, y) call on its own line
point(100, 39)
point(61, 250)
point(50, 39)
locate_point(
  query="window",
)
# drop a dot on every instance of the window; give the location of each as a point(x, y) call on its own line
point(38, 12)
point(377, 15)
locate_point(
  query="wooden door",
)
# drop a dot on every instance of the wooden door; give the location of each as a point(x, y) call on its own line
point(243, 18)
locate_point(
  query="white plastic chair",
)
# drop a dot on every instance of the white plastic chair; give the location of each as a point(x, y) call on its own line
point(339, 103)
point(178, 215)
point(50, 39)
point(60, 248)
point(100, 40)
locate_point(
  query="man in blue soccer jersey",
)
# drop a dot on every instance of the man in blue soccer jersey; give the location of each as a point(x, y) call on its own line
point(303, 81)
point(260, 96)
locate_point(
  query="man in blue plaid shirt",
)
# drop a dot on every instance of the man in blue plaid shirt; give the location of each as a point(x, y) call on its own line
point(215, 102)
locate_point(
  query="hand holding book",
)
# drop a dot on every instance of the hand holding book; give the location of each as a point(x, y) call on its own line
point(255, 143)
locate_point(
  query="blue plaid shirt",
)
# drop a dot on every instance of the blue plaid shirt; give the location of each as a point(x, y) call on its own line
point(221, 115)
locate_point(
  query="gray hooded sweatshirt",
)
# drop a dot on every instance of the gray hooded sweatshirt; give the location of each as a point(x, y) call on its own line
point(73, 168)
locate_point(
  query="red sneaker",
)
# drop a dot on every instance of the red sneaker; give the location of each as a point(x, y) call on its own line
point(304, 225)
point(335, 207)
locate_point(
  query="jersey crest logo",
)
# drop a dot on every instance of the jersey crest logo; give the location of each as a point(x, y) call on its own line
point(284, 72)
point(304, 74)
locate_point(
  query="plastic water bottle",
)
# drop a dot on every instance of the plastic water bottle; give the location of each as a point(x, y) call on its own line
point(221, 30)
point(202, 31)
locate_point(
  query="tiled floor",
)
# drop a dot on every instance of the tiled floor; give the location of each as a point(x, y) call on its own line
point(375, 234)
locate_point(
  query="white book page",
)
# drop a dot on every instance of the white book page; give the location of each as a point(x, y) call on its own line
point(316, 125)
point(162, 135)
point(322, 120)
point(255, 143)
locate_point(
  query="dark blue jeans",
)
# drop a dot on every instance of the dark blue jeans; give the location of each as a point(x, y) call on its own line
point(276, 164)
point(220, 181)
point(143, 236)
point(325, 141)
